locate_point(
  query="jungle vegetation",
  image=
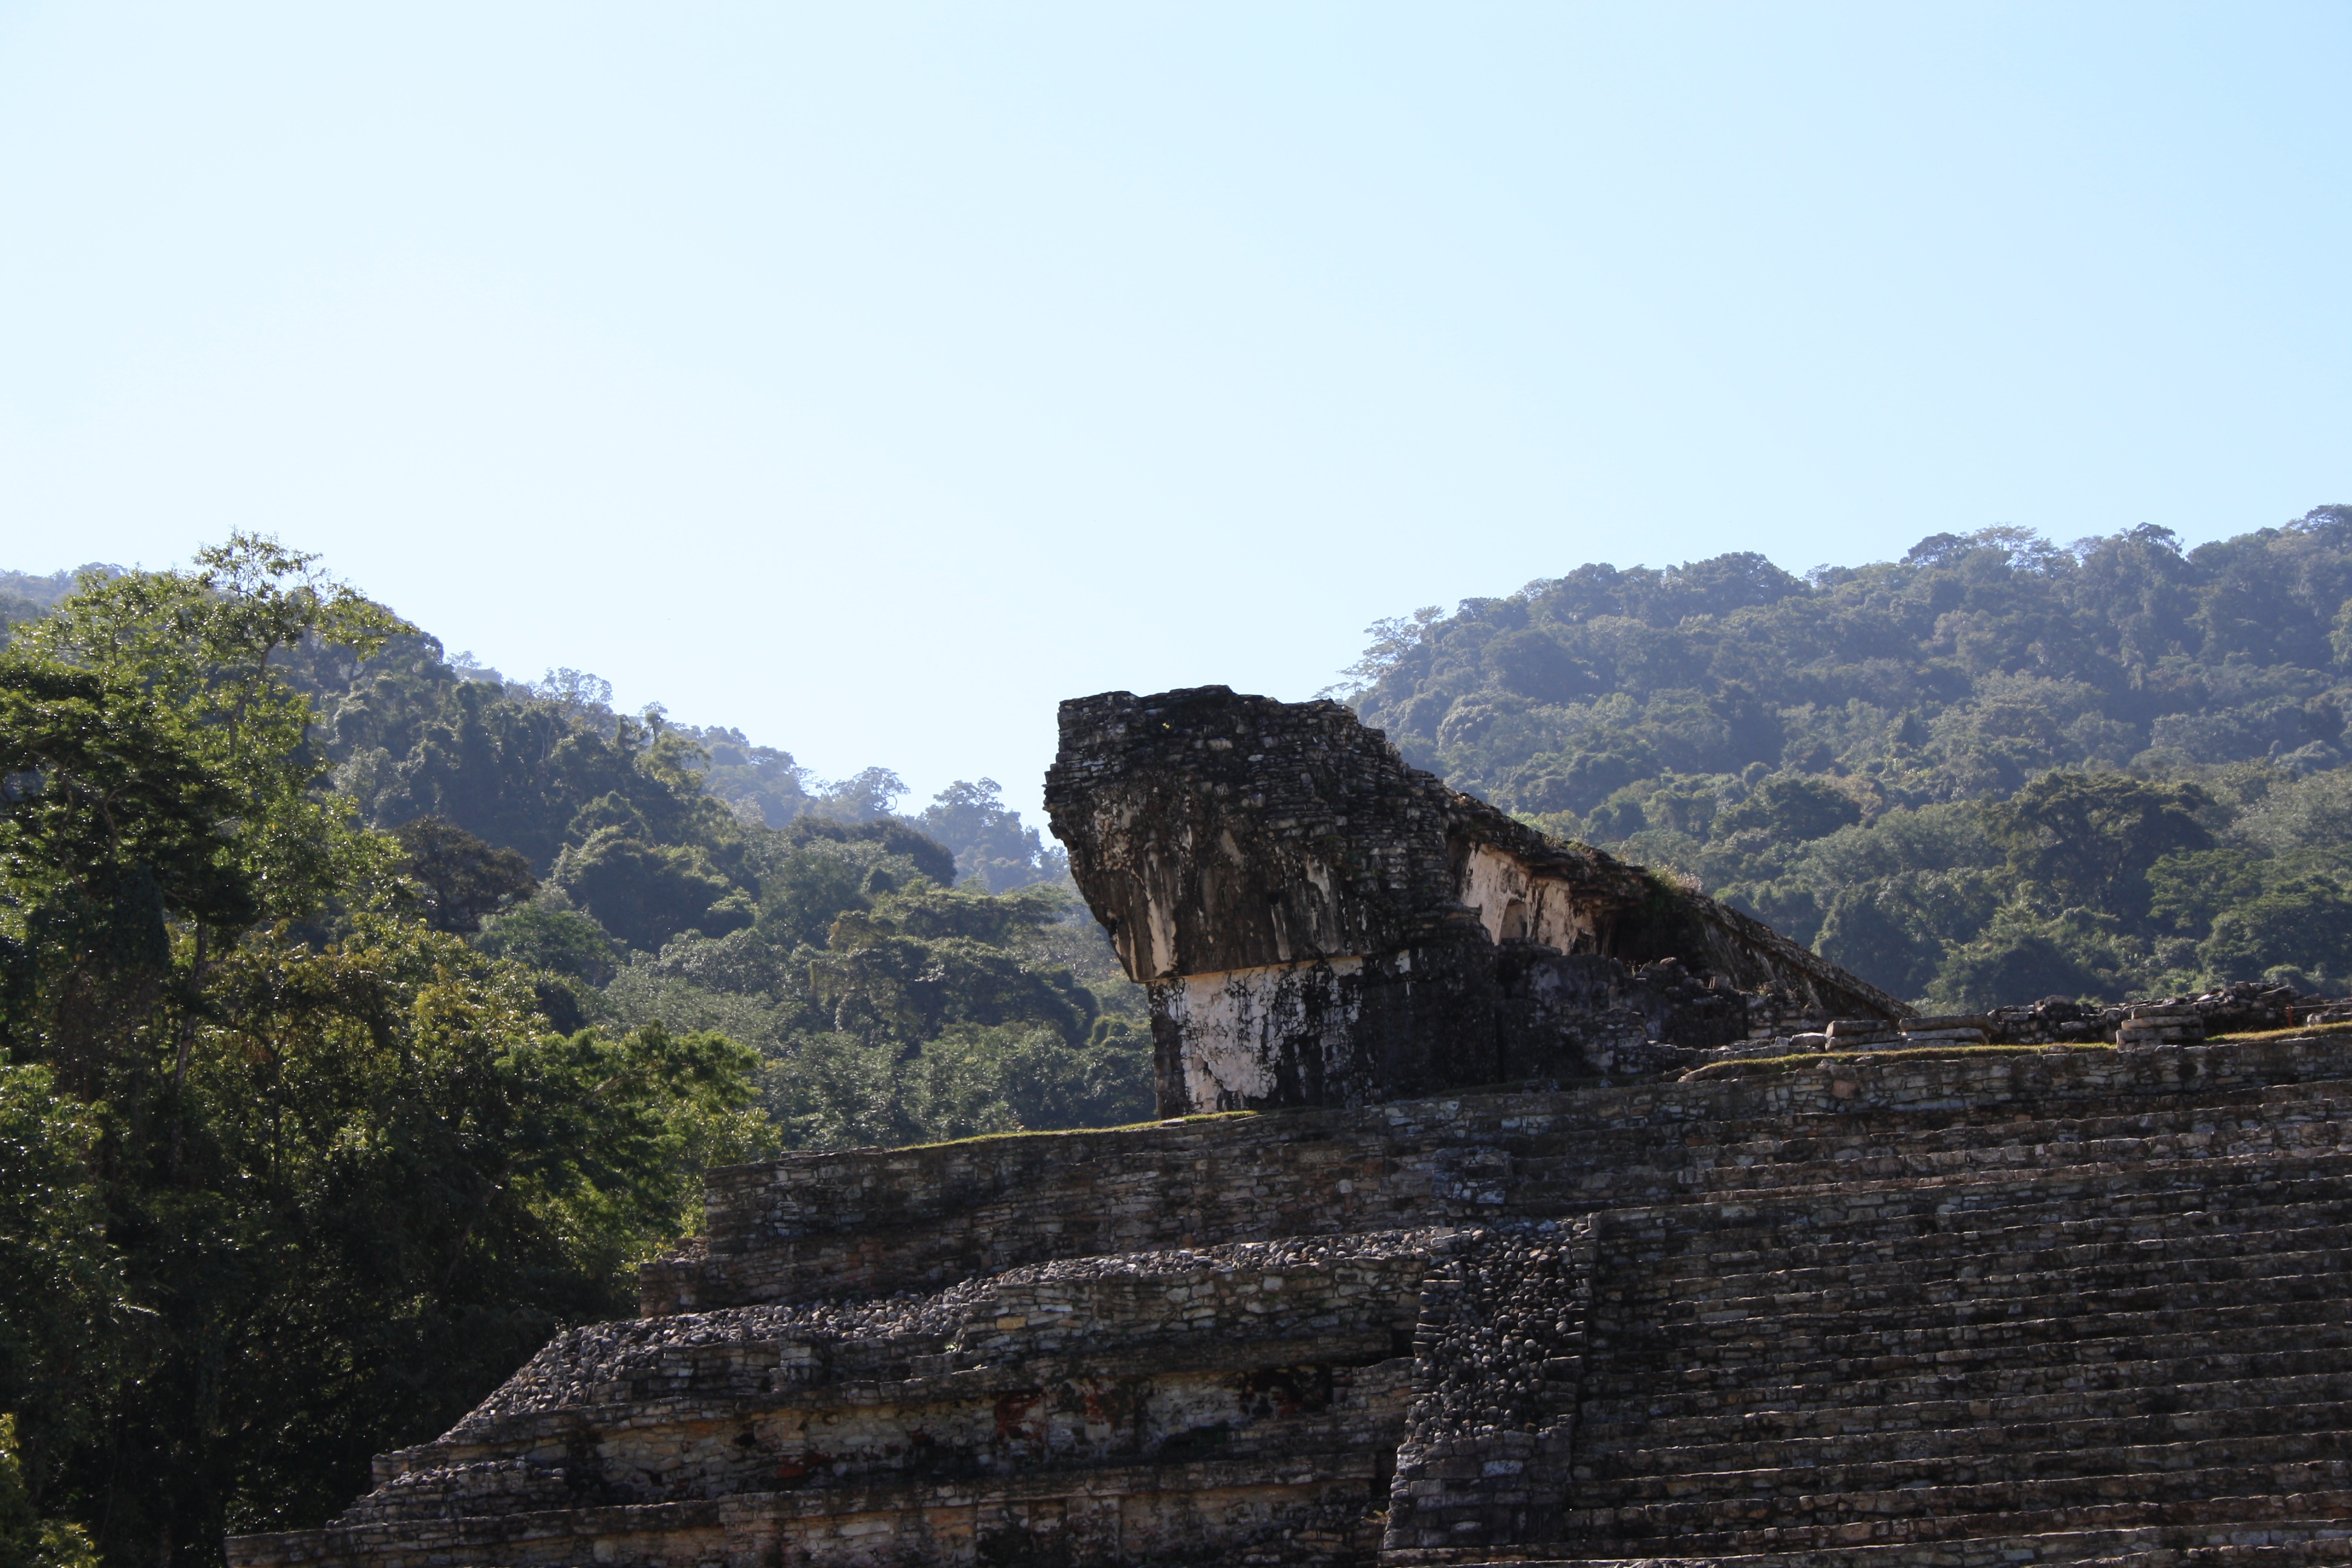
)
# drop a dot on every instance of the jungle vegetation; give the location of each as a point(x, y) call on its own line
point(368, 1016)
point(1992, 771)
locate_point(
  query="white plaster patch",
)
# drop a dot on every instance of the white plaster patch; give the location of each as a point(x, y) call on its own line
point(1512, 901)
point(1236, 1026)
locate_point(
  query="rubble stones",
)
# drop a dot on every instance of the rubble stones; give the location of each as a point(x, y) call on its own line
point(2242, 1008)
point(1181, 1291)
point(2148, 1026)
point(1485, 1460)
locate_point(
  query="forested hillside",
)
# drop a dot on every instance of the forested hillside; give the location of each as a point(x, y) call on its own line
point(367, 1017)
point(1993, 770)
point(926, 975)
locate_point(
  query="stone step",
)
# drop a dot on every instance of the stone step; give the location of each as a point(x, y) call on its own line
point(2227, 1543)
point(1663, 1256)
point(2029, 1449)
point(1968, 1124)
point(1998, 1551)
point(1725, 1524)
point(1904, 1405)
point(1903, 1152)
point(1880, 1282)
point(1561, 1170)
point(2082, 1289)
point(1635, 1445)
point(1359, 1358)
point(1984, 1201)
point(1885, 1154)
point(1775, 1348)
point(1826, 1147)
point(1779, 1357)
point(1982, 1261)
point(1876, 1159)
point(509, 1485)
point(2220, 1116)
point(2331, 1548)
point(1819, 1320)
point(1698, 1255)
point(2268, 1104)
point(1616, 1332)
point(890, 1518)
point(1277, 1408)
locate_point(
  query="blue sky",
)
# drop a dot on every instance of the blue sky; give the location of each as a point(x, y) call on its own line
point(871, 377)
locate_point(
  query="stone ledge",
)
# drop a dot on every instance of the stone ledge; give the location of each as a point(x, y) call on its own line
point(411, 1544)
point(492, 1439)
point(873, 1221)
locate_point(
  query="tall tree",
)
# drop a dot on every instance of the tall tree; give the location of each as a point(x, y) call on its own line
point(340, 1177)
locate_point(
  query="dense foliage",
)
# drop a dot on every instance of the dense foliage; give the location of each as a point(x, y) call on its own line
point(1991, 771)
point(903, 977)
point(365, 1021)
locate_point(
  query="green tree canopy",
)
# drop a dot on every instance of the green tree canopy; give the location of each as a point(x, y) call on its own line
point(460, 878)
point(291, 1176)
point(2089, 839)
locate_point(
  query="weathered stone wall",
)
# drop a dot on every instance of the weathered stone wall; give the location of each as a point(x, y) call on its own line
point(1320, 924)
point(875, 1221)
point(1945, 1307)
point(1140, 1406)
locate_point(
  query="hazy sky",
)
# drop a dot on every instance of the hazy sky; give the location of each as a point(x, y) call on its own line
point(872, 377)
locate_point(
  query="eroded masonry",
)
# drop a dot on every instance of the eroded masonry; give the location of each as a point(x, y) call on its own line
point(1319, 924)
point(1746, 1264)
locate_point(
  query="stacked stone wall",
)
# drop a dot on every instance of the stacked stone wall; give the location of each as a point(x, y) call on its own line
point(1919, 1309)
point(875, 1221)
point(1046, 1410)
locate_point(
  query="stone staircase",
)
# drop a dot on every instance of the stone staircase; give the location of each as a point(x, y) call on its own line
point(1967, 1311)
point(1185, 1402)
point(2122, 1352)
point(1557, 1170)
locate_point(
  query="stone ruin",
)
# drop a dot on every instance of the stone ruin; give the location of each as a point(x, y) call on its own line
point(1318, 925)
point(1795, 1280)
